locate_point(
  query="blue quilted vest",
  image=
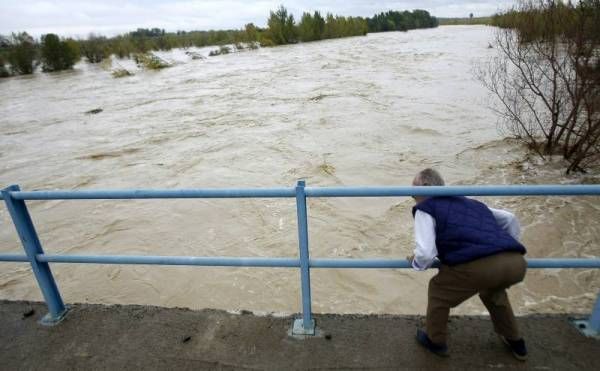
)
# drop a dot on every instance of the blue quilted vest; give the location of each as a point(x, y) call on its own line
point(466, 230)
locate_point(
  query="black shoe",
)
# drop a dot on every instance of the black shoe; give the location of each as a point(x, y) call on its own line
point(437, 349)
point(517, 347)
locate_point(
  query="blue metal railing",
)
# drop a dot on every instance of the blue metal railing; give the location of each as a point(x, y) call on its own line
point(15, 199)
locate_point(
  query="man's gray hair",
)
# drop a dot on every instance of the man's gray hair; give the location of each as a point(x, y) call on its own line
point(429, 177)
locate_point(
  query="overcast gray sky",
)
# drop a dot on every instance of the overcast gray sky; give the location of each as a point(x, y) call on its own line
point(110, 17)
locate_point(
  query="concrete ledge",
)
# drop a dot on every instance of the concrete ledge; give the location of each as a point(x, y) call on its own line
point(145, 337)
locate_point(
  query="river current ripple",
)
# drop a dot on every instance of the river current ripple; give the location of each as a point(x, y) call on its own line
point(368, 110)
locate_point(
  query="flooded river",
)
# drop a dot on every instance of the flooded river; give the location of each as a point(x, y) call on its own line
point(367, 111)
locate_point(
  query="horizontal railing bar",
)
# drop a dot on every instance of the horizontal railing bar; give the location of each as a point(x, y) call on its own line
point(156, 193)
point(359, 263)
point(272, 262)
point(563, 263)
point(170, 260)
point(13, 258)
point(510, 190)
point(403, 263)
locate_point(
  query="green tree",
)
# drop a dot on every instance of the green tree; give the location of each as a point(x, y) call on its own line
point(306, 27)
point(282, 28)
point(58, 55)
point(318, 26)
point(330, 27)
point(22, 54)
point(251, 32)
point(311, 27)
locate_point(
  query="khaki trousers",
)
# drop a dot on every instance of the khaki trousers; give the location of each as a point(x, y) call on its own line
point(489, 277)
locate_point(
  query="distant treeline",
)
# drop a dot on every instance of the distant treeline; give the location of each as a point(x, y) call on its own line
point(401, 21)
point(282, 28)
point(464, 21)
point(21, 54)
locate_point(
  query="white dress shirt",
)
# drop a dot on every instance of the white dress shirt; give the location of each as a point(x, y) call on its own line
point(425, 249)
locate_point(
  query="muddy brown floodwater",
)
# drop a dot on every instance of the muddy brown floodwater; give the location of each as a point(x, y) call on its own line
point(362, 111)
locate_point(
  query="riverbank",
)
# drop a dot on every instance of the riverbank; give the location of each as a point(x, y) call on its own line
point(147, 337)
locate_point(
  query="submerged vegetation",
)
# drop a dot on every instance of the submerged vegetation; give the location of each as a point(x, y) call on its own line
point(223, 49)
point(94, 49)
point(21, 54)
point(326, 168)
point(546, 78)
point(150, 61)
point(121, 72)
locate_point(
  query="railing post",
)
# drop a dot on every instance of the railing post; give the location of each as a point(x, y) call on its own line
point(31, 244)
point(591, 326)
point(594, 322)
point(305, 325)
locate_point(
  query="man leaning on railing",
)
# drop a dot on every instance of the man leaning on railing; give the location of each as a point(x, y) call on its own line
point(479, 252)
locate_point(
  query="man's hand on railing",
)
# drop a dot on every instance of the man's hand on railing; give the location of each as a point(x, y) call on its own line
point(410, 259)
